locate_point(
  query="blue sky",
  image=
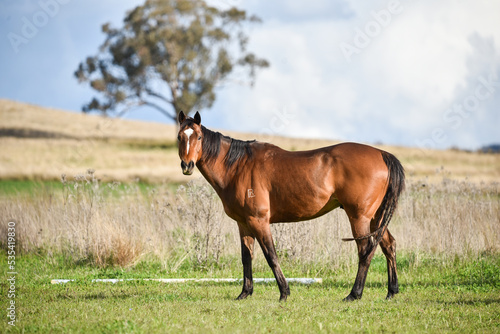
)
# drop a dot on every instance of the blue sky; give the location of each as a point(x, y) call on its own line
point(411, 72)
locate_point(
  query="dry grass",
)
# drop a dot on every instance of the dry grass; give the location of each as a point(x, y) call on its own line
point(55, 123)
point(47, 159)
point(39, 143)
point(113, 224)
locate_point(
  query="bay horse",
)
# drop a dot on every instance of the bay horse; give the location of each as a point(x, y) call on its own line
point(261, 184)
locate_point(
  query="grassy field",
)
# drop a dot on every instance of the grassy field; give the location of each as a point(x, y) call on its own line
point(436, 296)
point(448, 263)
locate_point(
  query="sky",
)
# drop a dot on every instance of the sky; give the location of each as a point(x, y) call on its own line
point(421, 73)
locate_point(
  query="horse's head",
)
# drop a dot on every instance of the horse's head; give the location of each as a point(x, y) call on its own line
point(190, 141)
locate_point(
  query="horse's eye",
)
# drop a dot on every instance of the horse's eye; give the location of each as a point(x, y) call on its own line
point(199, 138)
point(179, 137)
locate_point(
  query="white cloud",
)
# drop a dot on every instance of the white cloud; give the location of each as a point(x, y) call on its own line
point(395, 90)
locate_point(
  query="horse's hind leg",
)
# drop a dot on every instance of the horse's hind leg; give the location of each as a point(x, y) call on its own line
point(388, 245)
point(366, 250)
point(247, 243)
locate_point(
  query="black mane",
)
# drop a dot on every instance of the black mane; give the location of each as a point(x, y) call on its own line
point(211, 147)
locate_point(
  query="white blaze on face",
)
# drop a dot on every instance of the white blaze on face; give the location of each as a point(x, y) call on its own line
point(188, 133)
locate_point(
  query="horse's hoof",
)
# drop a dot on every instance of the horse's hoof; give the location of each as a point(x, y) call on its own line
point(283, 298)
point(243, 295)
point(390, 295)
point(351, 298)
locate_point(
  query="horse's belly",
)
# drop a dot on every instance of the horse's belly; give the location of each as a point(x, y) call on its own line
point(299, 209)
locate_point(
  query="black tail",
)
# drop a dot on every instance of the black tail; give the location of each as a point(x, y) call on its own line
point(396, 185)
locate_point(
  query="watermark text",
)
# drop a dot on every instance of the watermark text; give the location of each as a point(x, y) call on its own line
point(31, 25)
point(363, 36)
point(11, 273)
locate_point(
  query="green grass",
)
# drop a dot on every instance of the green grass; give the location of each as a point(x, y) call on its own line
point(12, 188)
point(435, 296)
point(23, 187)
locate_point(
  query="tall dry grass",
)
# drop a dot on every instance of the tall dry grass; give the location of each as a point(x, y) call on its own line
point(113, 224)
point(451, 217)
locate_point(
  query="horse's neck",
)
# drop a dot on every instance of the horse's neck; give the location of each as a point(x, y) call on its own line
point(216, 180)
point(215, 172)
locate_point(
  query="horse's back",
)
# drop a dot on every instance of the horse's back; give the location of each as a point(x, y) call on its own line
point(345, 157)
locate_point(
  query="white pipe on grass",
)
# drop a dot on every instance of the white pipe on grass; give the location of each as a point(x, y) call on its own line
point(196, 280)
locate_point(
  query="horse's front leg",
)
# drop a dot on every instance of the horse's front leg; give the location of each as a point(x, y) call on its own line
point(247, 242)
point(265, 239)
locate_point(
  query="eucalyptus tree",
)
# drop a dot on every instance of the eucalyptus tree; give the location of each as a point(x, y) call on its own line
point(171, 56)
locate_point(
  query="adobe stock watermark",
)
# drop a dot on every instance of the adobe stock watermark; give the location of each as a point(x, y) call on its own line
point(364, 36)
point(277, 123)
point(31, 25)
point(11, 273)
point(455, 116)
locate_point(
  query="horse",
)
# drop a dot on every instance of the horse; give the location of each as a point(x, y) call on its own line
point(260, 184)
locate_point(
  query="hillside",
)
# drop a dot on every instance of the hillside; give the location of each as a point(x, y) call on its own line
point(41, 144)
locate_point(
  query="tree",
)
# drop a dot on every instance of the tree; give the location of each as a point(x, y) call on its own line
point(169, 55)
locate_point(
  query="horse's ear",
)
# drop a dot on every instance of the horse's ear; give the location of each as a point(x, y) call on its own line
point(197, 118)
point(181, 117)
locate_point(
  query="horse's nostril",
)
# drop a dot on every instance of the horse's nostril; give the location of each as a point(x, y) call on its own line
point(183, 165)
point(191, 165)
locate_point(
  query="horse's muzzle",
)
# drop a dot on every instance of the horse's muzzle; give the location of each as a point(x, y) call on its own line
point(187, 169)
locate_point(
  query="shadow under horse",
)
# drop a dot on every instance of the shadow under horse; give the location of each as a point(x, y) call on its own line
point(261, 184)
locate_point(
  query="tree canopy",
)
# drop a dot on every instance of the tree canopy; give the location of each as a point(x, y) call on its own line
point(169, 55)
